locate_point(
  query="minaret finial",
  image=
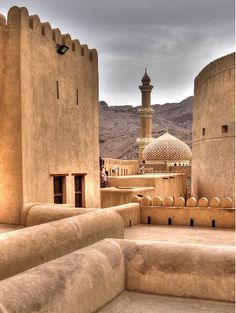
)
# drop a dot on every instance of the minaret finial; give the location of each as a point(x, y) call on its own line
point(145, 70)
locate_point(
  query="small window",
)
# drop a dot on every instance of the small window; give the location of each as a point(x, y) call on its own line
point(77, 96)
point(57, 86)
point(130, 223)
point(224, 129)
point(203, 131)
point(59, 189)
point(79, 191)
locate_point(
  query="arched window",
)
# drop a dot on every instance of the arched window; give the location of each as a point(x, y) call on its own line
point(169, 221)
point(149, 220)
point(213, 223)
point(191, 222)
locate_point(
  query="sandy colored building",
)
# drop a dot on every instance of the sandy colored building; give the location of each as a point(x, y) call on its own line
point(118, 167)
point(48, 102)
point(214, 129)
point(91, 260)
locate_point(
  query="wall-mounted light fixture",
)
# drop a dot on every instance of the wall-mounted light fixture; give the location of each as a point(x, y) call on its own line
point(62, 49)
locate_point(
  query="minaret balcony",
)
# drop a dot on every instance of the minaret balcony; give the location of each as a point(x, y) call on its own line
point(145, 112)
point(144, 141)
point(146, 88)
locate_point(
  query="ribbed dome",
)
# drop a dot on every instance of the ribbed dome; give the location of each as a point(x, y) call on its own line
point(146, 79)
point(167, 148)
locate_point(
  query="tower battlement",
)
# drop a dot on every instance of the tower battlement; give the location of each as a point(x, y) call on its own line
point(18, 17)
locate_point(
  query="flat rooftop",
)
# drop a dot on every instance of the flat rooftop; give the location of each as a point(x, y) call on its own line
point(147, 175)
point(135, 302)
point(181, 234)
point(127, 189)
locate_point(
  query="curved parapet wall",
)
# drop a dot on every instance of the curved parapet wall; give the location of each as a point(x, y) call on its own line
point(214, 130)
point(85, 280)
point(35, 214)
point(182, 270)
point(25, 248)
point(82, 281)
point(130, 213)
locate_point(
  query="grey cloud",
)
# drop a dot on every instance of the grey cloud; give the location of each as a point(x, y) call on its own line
point(174, 38)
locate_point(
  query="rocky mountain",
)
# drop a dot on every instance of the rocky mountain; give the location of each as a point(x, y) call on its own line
point(120, 126)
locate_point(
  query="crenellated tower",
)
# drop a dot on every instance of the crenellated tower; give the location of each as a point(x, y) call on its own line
point(146, 113)
point(46, 98)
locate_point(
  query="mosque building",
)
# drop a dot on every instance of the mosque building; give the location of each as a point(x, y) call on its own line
point(165, 151)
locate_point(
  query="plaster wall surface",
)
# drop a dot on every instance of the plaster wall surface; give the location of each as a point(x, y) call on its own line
point(164, 185)
point(11, 197)
point(202, 217)
point(4, 228)
point(49, 118)
point(82, 281)
point(28, 247)
point(130, 213)
point(113, 196)
point(40, 214)
point(85, 280)
point(183, 270)
point(124, 167)
point(214, 107)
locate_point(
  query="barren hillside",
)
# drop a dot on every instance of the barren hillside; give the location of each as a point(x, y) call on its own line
point(120, 126)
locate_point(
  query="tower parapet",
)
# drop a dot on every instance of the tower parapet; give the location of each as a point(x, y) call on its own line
point(145, 113)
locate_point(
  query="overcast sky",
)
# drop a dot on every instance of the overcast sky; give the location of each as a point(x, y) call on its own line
point(175, 39)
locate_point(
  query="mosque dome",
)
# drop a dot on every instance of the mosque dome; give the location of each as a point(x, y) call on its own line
point(167, 148)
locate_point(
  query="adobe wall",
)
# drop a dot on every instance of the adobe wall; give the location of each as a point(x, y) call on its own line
point(182, 270)
point(122, 167)
point(85, 280)
point(178, 212)
point(113, 196)
point(202, 217)
point(82, 281)
point(45, 213)
point(213, 153)
point(48, 135)
point(28, 247)
point(11, 198)
point(170, 184)
point(130, 213)
point(35, 214)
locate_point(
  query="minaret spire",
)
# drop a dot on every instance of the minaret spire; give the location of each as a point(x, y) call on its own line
point(146, 113)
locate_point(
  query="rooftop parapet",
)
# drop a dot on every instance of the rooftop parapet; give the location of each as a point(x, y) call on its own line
point(19, 17)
